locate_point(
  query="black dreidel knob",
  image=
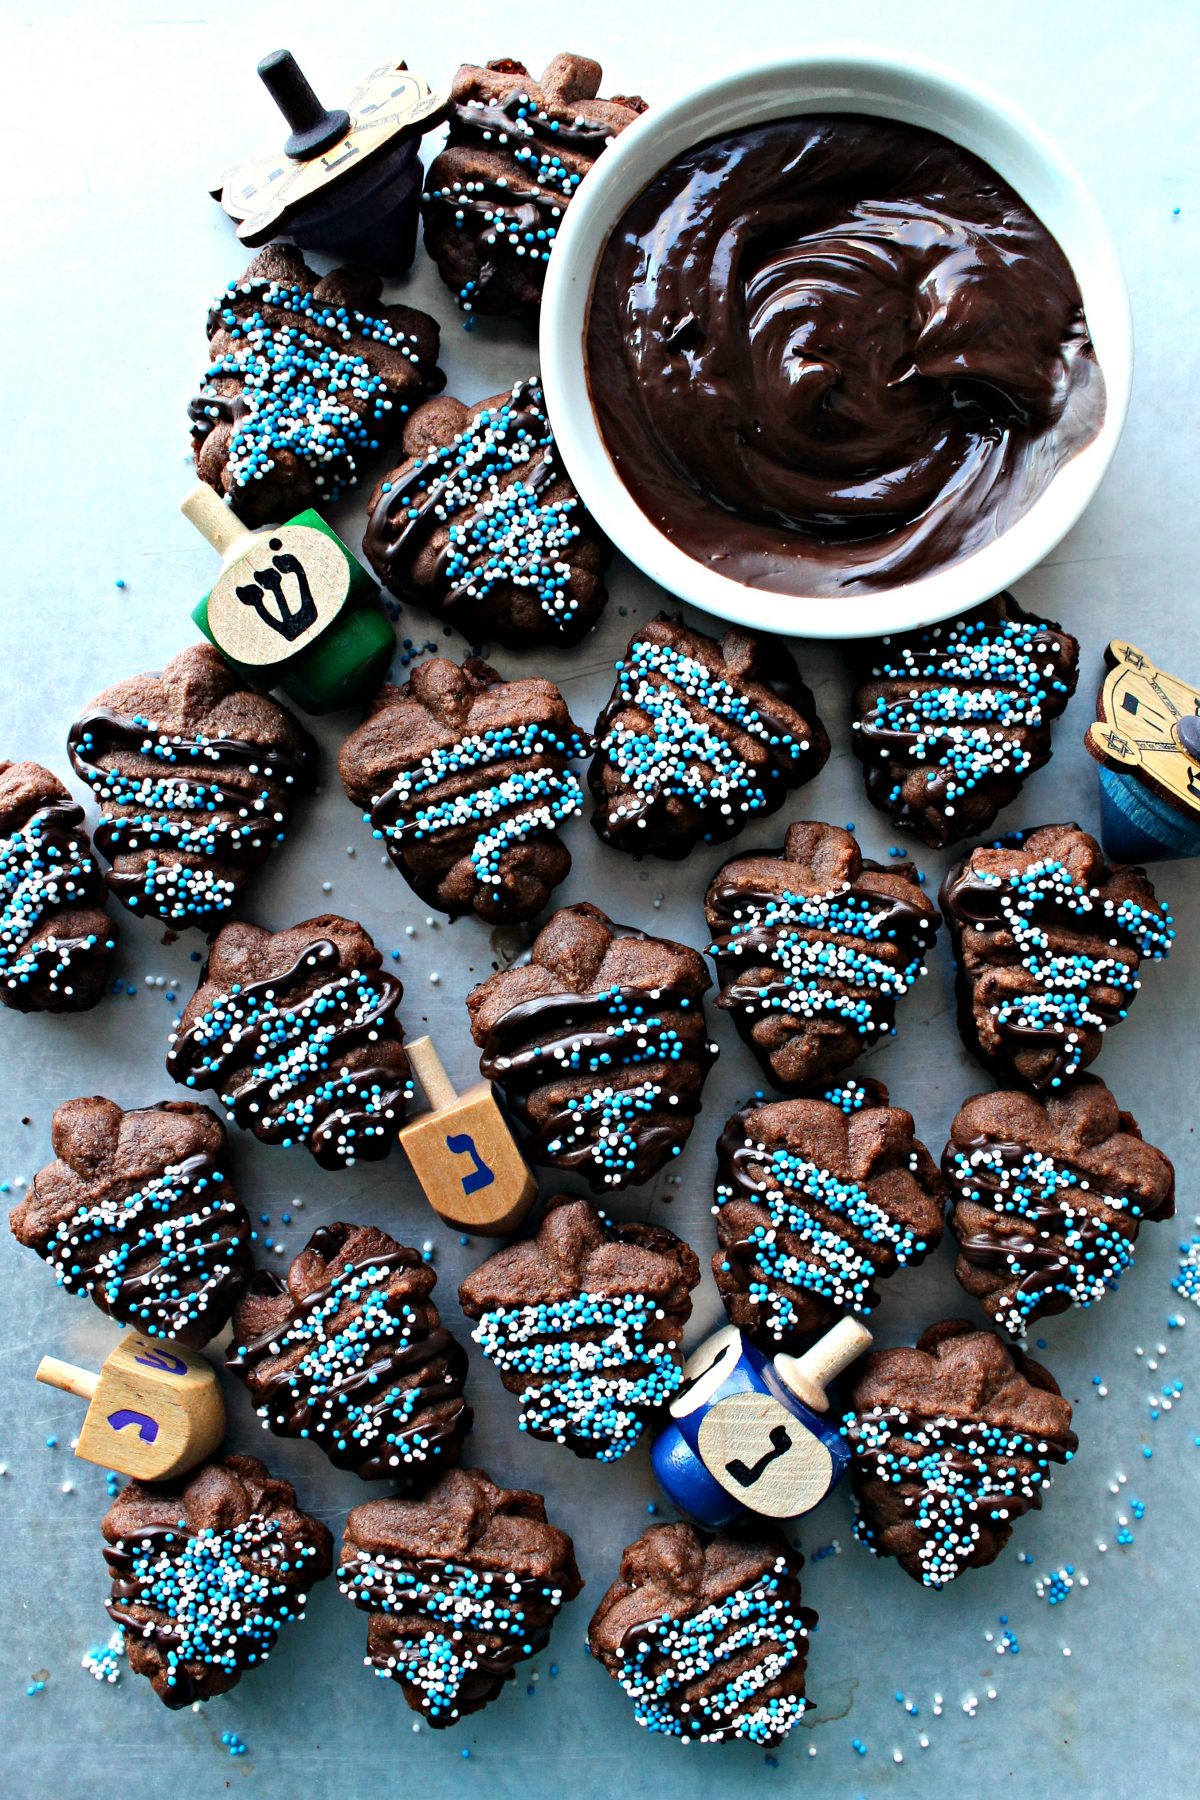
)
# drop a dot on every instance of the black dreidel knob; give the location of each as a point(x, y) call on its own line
point(315, 128)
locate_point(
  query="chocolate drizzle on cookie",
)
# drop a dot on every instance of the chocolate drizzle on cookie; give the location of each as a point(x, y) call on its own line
point(56, 944)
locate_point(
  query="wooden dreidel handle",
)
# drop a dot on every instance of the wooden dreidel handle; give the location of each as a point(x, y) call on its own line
point(315, 128)
point(463, 1153)
point(292, 607)
point(747, 1436)
point(154, 1409)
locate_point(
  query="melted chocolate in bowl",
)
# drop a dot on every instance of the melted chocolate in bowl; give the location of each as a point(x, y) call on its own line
point(834, 353)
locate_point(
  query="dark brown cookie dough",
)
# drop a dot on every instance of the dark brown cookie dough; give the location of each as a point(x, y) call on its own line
point(350, 1353)
point(1048, 943)
point(1049, 1194)
point(516, 152)
point(205, 1572)
point(466, 777)
point(297, 1032)
point(308, 376)
point(585, 1324)
point(707, 1635)
point(139, 1214)
point(462, 1588)
point(56, 940)
point(700, 737)
point(196, 777)
point(950, 720)
point(598, 1041)
point(482, 526)
point(814, 947)
point(816, 1201)
point(952, 1440)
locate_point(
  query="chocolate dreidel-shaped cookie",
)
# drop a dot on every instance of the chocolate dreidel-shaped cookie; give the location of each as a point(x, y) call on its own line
point(308, 377)
point(466, 778)
point(154, 1409)
point(482, 526)
point(350, 1353)
point(1049, 943)
point(196, 777)
point(462, 1589)
point(814, 948)
point(206, 1571)
point(953, 1441)
point(949, 720)
point(584, 1323)
point(1048, 1196)
point(516, 152)
point(817, 1201)
point(598, 1042)
point(699, 737)
point(707, 1635)
point(297, 1032)
point(56, 940)
point(138, 1213)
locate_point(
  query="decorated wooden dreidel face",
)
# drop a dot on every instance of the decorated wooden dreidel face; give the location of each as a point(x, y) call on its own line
point(749, 1435)
point(154, 1410)
point(1146, 738)
point(347, 180)
point(463, 1154)
point(292, 608)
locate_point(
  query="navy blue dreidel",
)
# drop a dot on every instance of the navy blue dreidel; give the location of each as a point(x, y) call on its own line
point(749, 1434)
point(1146, 739)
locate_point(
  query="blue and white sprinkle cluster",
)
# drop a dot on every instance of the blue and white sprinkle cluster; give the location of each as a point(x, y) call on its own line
point(103, 1661)
point(41, 875)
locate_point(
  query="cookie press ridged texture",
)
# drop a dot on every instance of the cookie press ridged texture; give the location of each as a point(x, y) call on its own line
point(56, 941)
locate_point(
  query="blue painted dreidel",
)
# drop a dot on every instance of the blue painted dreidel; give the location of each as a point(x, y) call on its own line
point(154, 1409)
point(463, 1153)
point(749, 1435)
point(1146, 739)
point(347, 181)
point(292, 608)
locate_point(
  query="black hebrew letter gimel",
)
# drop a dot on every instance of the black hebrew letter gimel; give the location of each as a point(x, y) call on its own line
point(747, 1474)
point(291, 618)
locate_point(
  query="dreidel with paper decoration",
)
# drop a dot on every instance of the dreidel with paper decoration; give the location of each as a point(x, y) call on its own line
point(1146, 738)
point(463, 1154)
point(292, 607)
point(154, 1409)
point(749, 1434)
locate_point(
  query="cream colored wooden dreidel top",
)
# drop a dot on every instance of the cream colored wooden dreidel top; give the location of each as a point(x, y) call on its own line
point(154, 1410)
point(463, 1153)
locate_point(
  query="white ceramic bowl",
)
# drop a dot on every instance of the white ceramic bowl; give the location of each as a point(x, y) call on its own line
point(833, 81)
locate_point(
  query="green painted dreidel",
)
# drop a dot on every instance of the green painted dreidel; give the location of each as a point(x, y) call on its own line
point(463, 1153)
point(154, 1410)
point(292, 607)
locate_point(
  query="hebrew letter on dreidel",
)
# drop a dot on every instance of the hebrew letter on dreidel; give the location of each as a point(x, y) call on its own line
point(152, 1412)
point(463, 1153)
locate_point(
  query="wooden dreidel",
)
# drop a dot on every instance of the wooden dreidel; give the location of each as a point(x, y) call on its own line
point(1146, 738)
point(292, 608)
point(463, 1153)
point(749, 1434)
point(347, 181)
point(154, 1409)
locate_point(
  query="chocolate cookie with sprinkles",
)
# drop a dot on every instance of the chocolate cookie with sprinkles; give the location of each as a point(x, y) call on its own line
point(462, 1589)
point(814, 948)
point(308, 377)
point(197, 778)
point(482, 526)
point(1049, 1196)
point(699, 738)
point(516, 152)
point(351, 1354)
point(707, 1635)
point(952, 1441)
point(817, 1201)
point(950, 720)
point(206, 1571)
point(466, 778)
point(1049, 943)
point(598, 1042)
point(140, 1215)
point(584, 1323)
point(56, 940)
point(297, 1032)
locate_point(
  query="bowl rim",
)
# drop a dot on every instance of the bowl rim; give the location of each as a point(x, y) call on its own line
point(832, 77)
